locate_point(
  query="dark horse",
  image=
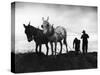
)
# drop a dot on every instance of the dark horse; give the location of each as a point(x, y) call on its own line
point(37, 35)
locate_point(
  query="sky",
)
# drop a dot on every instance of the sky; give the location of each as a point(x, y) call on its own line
point(74, 18)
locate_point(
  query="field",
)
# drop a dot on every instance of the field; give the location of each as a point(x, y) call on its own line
point(32, 62)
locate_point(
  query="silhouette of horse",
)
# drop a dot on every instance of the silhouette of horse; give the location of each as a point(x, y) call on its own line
point(37, 35)
point(54, 34)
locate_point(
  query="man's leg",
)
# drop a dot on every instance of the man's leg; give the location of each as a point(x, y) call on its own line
point(86, 47)
point(83, 48)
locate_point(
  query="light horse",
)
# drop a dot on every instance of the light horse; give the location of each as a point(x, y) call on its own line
point(37, 35)
point(54, 34)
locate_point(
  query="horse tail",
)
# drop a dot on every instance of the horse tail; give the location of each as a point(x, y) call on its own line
point(65, 37)
point(65, 41)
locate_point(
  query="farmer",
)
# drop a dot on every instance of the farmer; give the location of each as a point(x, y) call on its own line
point(76, 45)
point(84, 38)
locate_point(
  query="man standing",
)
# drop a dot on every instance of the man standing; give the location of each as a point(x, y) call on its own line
point(76, 45)
point(84, 38)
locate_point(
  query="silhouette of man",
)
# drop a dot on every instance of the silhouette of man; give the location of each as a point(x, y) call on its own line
point(84, 38)
point(76, 45)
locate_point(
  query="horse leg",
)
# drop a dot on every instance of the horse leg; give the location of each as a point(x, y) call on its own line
point(55, 47)
point(47, 48)
point(61, 47)
point(65, 44)
point(66, 48)
point(51, 47)
point(40, 48)
point(36, 48)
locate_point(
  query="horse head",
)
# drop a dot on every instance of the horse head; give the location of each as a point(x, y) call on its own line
point(47, 27)
point(45, 22)
point(29, 32)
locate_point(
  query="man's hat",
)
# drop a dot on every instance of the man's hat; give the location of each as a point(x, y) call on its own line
point(83, 31)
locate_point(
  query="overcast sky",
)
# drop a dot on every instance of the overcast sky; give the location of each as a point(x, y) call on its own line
point(73, 18)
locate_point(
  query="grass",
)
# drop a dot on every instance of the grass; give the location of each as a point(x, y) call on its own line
point(32, 62)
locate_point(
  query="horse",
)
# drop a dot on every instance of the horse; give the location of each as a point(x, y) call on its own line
point(54, 34)
point(37, 35)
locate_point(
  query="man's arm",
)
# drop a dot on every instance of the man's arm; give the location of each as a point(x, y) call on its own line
point(87, 36)
point(81, 36)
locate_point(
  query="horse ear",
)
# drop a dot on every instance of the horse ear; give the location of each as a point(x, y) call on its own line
point(43, 18)
point(47, 18)
point(52, 25)
point(29, 23)
point(24, 25)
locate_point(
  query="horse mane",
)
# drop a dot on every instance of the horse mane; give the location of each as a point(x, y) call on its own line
point(38, 35)
point(36, 29)
point(52, 31)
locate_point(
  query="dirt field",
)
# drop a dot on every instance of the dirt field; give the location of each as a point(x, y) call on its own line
point(32, 62)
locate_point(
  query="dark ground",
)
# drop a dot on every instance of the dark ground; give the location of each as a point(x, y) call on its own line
point(32, 62)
